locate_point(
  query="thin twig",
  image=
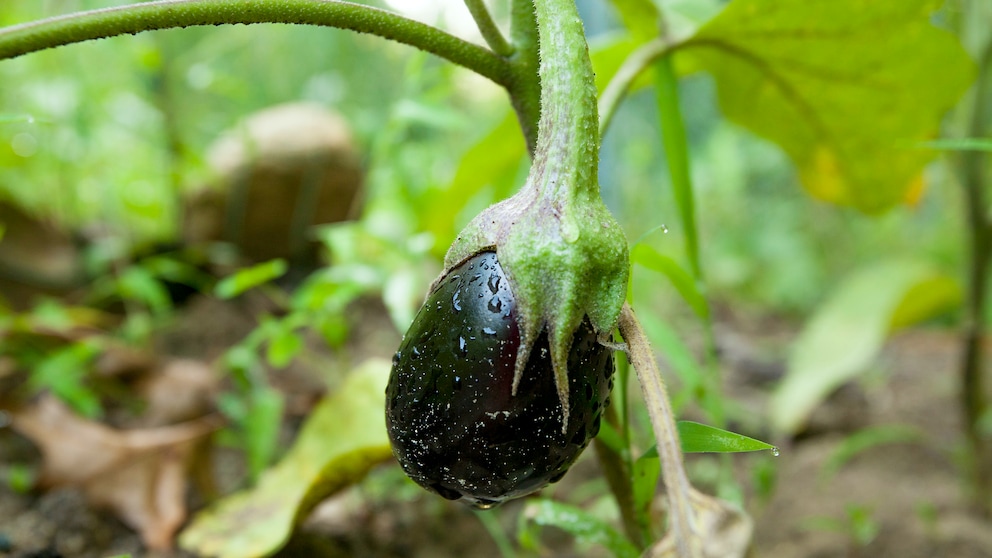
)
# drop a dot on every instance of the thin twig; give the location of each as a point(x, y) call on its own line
point(490, 32)
point(681, 518)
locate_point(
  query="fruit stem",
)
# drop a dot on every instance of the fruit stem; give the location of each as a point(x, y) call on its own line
point(566, 159)
point(681, 518)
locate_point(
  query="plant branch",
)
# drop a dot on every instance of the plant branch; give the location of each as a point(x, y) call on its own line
point(165, 14)
point(974, 178)
point(681, 518)
point(490, 32)
point(635, 64)
point(525, 81)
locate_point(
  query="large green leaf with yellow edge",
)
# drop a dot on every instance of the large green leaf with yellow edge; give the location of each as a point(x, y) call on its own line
point(843, 86)
point(344, 437)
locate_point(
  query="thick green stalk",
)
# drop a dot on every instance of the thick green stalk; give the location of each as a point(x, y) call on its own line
point(148, 16)
point(568, 133)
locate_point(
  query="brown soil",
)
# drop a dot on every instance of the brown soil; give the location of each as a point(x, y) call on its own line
point(913, 492)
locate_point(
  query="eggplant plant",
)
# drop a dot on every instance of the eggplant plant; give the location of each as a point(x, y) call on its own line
point(505, 374)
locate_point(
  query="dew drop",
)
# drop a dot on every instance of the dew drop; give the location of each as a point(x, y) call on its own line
point(461, 345)
point(489, 331)
point(456, 301)
point(457, 383)
point(415, 353)
point(664, 229)
point(494, 283)
point(775, 451)
point(484, 504)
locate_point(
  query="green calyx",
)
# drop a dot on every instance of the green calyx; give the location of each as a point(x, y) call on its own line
point(564, 254)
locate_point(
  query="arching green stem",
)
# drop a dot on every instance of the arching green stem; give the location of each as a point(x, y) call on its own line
point(148, 16)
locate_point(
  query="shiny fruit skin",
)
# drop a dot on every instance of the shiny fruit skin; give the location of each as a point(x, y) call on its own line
point(454, 425)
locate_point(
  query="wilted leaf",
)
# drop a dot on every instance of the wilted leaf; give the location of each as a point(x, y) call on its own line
point(343, 438)
point(702, 438)
point(140, 474)
point(848, 330)
point(840, 85)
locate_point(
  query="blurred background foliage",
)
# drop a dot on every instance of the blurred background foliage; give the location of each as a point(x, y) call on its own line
point(110, 148)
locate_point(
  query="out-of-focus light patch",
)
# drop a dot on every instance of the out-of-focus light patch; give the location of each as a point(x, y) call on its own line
point(24, 145)
point(450, 15)
point(327, 88)
point(199, 76)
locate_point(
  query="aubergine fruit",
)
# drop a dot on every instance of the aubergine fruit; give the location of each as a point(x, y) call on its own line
point(455, 426)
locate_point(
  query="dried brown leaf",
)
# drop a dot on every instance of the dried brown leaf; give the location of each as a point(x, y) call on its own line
point(139, 474)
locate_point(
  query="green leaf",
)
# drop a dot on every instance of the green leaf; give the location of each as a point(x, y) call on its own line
point(344, 437)
point(263, 415)
point(645, 473)
point(138, 284)
point(701, 438)
point(866, 439)
point(847, 331)
point(962, 144)
point(494, 159)
point(284, 345)
point(640, 17)
point(839, 85)
point(64, 372)
point(249, 278)
point(683, 282)
point(679, 357)
point(581, 524)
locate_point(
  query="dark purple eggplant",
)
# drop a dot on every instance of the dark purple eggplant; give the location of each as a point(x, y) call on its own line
point(454, 424)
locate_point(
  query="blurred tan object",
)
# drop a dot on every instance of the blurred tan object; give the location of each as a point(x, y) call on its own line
point(279, 172)
point(36, 258)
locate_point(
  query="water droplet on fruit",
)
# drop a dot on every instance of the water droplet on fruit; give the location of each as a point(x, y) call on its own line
point(775, 451)
point(457, 383)
point(489, 331)
point(484, 504)
point(461, 345)
point(456, 301)
point(415, 353)
point(495, 305)
point(494, 283)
